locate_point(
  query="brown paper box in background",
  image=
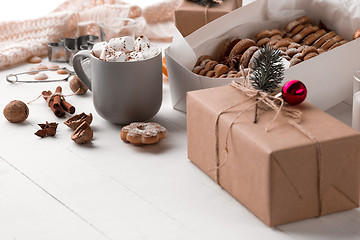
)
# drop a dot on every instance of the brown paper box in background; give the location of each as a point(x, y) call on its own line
point(190, 16)
point(275, 174)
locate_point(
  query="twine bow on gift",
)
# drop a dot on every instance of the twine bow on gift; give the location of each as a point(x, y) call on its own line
point(274, 103)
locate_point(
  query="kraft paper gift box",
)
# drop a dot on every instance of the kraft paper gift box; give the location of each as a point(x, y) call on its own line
point(190, 16)
point(281, 175)
point(328, 77)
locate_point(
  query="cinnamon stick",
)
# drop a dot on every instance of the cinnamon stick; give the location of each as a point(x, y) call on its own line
point(57, 98)
point(67, 106)
point(58, 111)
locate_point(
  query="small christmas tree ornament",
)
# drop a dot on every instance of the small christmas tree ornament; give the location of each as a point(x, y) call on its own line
point(294, 92)
point(268, 72)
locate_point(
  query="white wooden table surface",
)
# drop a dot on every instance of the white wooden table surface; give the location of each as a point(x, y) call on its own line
point(52, 188)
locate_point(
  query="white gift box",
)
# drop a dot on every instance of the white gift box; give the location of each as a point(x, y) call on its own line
point(328, 77)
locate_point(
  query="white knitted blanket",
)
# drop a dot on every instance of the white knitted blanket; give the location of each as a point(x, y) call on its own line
point(20, 40)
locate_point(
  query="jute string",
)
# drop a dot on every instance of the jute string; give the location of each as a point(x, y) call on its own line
point(48, 98)
point(276, 104)
point(206, 10)
point(206, 14)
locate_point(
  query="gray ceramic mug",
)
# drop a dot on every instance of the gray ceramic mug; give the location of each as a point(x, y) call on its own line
point(123, 92)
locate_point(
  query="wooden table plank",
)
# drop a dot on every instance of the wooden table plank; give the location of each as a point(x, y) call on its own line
point(29, 212)
point(343, 225)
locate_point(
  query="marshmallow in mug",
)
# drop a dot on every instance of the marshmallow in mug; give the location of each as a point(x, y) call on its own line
point(124, 49)
point(122, 44)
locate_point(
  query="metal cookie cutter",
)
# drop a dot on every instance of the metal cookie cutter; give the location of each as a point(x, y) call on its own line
point(13, 78)
point(65, 50)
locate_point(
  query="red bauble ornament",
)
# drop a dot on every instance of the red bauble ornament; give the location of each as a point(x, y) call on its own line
point(294, 92)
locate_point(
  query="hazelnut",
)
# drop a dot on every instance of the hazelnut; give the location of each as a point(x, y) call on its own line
point(77, 86)
point(83, 134)
point(78, 119)
point(16, 111)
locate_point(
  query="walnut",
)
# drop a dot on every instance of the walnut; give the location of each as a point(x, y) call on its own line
point(83, 134)
point(16, 111)
point(78, 119)
point(77, 86)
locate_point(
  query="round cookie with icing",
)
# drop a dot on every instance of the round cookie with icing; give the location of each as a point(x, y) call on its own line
point(263, 41)
point(331, 42)
point(143, 133)
point(338, 44)
point(320, 41)
point(263, 34)
point(356, 34)
point(313, 37)
point(304, 33)
point(245, 59)
point(226, 48)
point(242, 46)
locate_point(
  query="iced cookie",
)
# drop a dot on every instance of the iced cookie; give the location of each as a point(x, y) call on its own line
point(296, 30)
point(310, 55)
point(210, 73)
point(41, 67)
point(305, 32)
point(331, 42)
point(40, 76)
point(226, 48)
point(303, 20)
point(53, 66)
point(308, 50)
point(291, 52)
point(263, 34)
point(210, 65)
point(295, 61)
point(338, 44)
point(62, 71)
point(318, 43)
point(33, 71)
point(203, 72)
point(263, 41)
point(202, 58)
point(241, 47)
point(313, 37)
point(276, 37)
point(356, 34)
point(291, 26)
point(282, 43)
point(34, 59)
point(197, 69)
point(221, 69)
point(140, 133)
point(245, 59)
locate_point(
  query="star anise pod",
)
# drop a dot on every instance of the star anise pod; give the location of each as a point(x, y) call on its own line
point(232, 61)
point(47, 129)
